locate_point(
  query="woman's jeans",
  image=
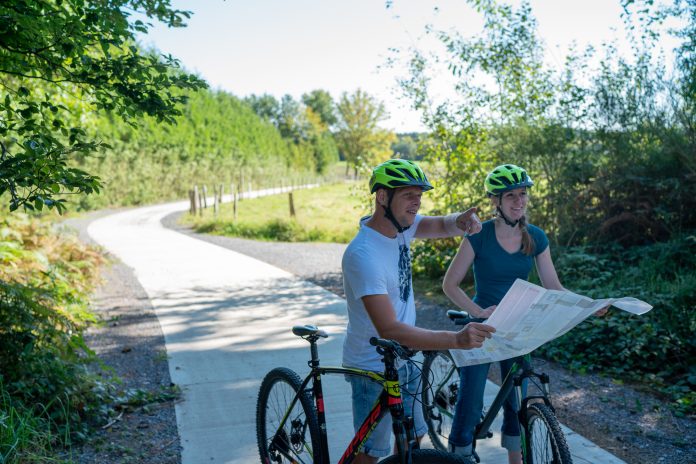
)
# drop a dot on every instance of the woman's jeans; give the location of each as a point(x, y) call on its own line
point(472, 382)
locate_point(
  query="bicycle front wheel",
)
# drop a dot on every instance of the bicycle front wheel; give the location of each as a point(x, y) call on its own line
point(545, 440)
point(428, 456)
point(298, 440)
point(440, 387)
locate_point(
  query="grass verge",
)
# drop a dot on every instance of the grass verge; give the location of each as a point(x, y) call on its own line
point(328, 213)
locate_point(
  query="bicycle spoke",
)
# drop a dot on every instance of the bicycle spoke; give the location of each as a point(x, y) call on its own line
point(440, 397)
point(546, 442)
point(293, 441)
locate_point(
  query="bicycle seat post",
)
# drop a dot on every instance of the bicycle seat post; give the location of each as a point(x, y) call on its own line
point(314, 362)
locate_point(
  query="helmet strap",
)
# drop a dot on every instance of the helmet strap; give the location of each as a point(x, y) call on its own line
point(502, 216)
point(389, 215)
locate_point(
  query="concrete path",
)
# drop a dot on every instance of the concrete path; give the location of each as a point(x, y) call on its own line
point(226, 319)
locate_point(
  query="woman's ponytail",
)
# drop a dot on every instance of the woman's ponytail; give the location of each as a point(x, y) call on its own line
point(528, 245)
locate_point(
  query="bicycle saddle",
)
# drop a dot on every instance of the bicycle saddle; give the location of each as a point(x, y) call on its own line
point(306, 330)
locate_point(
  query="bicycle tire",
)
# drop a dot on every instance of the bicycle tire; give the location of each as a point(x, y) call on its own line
point(439, 396)
point(277, 391)
point(428, 456)
point(545, 440)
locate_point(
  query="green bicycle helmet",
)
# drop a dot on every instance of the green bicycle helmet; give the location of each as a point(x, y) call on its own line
point(398, 173)
point(507, 177)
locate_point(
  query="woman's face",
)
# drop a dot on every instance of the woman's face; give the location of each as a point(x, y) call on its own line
point(513, 203)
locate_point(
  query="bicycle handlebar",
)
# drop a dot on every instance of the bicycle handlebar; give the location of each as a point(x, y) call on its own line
point(462, 317)
point(396, 348)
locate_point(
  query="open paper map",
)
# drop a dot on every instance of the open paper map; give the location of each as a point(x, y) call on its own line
point(529, 316)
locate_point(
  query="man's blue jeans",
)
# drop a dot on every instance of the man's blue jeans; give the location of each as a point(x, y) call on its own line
point(472, 382)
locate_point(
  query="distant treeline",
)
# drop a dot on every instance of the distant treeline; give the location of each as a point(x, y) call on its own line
point(223, 139)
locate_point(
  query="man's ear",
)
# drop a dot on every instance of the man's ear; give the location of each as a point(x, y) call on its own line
point(382, 197)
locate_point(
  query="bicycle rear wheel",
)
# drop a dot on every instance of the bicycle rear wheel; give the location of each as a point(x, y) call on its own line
point(428, 456)
point(545, 440)
point(298, 441)
point(440, 387)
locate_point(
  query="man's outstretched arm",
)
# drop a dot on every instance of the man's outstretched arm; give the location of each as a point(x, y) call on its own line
point(455, 224)
point(384, 319)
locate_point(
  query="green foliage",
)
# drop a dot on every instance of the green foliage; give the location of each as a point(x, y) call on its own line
point(432, 257)
point(321, 103)
point(610, 148)
point(656, 348)
point(360, 140)
point(84, 48)
point(306, 127)
point(24, 438)
point(48, 393)
point(218, 139)
point(406, 147)
point(282, 230)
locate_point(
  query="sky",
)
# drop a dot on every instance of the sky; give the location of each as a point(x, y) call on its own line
point(295, 46)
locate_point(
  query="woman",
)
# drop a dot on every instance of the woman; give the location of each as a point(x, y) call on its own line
point(503, 251)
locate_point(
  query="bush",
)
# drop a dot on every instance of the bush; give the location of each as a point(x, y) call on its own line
point(656, 348)
point(48, 395)
point(431, 258)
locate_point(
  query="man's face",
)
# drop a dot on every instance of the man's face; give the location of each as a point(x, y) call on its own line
point(406, 203)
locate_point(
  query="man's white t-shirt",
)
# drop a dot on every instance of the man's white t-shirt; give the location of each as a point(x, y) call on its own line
point(375, 265)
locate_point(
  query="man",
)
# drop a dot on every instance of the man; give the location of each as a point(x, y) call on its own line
point(379, 292)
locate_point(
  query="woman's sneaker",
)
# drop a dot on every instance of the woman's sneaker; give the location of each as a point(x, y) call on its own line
point(464, 452)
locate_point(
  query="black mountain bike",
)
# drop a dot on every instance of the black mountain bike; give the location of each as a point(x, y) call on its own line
point(291, 421)
point(541, 435)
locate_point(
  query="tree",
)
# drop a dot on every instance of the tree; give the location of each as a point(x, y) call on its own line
point(266, 106)
point(322, 104)
point(360, 139)
point(84, 49)
point(321, 141)
point(405, 147)
point(291, 120)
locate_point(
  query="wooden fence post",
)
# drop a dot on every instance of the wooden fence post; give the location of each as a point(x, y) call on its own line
point(215, 200)
point(205, 196)
point(220, 192)
point(234, 206)
point(292, 205)
point(195, 199)
point(200, 202)
point(192, 200)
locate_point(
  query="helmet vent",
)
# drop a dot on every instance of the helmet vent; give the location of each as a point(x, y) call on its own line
point(393, 173)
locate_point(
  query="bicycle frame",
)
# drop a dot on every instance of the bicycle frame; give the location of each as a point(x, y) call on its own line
point(514, 379)
point(389, 401)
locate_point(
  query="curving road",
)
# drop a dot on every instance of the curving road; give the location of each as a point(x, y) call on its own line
point(226, 320)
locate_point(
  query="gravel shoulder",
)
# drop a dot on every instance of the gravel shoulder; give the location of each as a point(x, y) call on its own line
point(632, 424)
point(130, 342)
